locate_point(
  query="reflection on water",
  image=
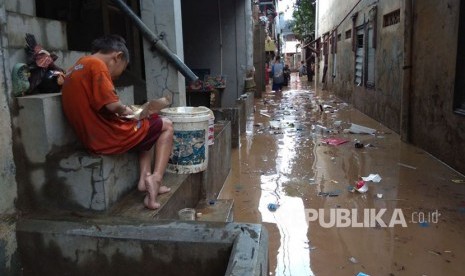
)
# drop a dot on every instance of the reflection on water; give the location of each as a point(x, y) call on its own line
point(282, 160)
point(293, 255)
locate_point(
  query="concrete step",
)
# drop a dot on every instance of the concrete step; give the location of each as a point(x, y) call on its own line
point(137, 247)
point(26, 7)
point(65, 60)
point(185, 193)
point(215, 210)
point(55, 171)
point(51, 34)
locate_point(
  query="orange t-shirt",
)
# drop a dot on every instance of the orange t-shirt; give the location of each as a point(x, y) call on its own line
point(87, 89)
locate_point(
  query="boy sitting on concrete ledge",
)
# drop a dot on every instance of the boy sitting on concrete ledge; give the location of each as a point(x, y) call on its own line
point(102, 122)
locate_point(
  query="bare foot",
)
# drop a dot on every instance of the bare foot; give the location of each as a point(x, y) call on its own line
point(152, 186)
point(163, 190)
point(141, 184)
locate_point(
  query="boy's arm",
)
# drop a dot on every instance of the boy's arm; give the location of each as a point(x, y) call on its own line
point(118, 107)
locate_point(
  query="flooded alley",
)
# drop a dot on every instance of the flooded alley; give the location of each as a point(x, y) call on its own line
point(298, 160)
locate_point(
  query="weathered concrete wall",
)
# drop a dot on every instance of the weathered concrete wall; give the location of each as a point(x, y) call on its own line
point(430, 120)
point(219, 38)
point(8, 190)
point(164, 19)
point(434, 126)
point(383, 101)
point(219, 161)
point(97, 247)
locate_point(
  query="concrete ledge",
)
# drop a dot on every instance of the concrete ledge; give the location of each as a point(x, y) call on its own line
point(117, 247)
point(219, 161)
point(51, 34)
point(185, 193)
point(26, 7)
point(233, 116)
point(54, 171)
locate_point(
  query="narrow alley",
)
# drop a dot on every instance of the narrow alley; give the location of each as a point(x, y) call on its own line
point(286, 166)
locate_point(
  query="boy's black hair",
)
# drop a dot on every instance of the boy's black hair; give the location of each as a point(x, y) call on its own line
point(110, 43)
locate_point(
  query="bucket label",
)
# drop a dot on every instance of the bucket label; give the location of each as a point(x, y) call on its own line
point(188, 147)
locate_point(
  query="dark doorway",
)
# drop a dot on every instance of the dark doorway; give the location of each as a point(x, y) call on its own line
point(89, 19)
point(459, 93)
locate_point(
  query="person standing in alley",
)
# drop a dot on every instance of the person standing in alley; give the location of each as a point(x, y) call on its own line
point(101, 121)
point(310, 67)
point(277, 71)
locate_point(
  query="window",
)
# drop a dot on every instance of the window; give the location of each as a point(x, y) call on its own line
point(459, 93)
point(348, 34)
point(359, 56)
point(339, 37)
point(391, 18)
point(371, 55)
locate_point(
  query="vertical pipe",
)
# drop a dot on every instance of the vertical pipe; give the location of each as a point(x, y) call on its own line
point(405, 108)
point(221, 37)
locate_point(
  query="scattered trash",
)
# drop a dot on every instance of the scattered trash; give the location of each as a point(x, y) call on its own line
point(358, 129)
point(361, 187)
point(424, 224)
point(211, 202)
point(353, 260)
point(379, 196)
point(372, 177)
point(358, 144)
point(333, 158)
point(362, 274)
point(337, 123)
point(321, 108)
point(198, 215)
point(273, 207)
point(437, 253)
point(334, 141)
point(458, 181)
point(330, 194)
point(407, 166)
point(266, 115)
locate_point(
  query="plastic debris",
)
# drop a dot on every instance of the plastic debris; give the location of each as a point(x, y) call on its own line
point(358, 129)
point(361, 187)
point(334, 141)
point(458, 181)
point(407, 166)
point(372, 177)
point(424, 224)
point(379, 196)
point(362, 274)
point(353, 260)
point(273, 207)
point(330, 194)
point(358, 144)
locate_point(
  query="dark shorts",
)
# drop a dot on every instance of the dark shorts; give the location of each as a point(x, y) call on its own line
point(155, 126)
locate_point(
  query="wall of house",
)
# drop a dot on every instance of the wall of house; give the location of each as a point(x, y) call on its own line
point(433, 124)
point(383, 102)
point(219, 38)
point(425, 99)
point(8, 187)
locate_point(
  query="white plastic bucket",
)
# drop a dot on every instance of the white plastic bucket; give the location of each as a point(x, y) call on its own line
point(190, 141)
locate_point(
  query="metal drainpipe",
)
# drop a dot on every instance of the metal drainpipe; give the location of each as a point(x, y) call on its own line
point(153, 39)
point(221, 37)
point(405, 107)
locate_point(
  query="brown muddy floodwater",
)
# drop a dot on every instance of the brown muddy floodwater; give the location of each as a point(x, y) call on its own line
point(283, 160)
